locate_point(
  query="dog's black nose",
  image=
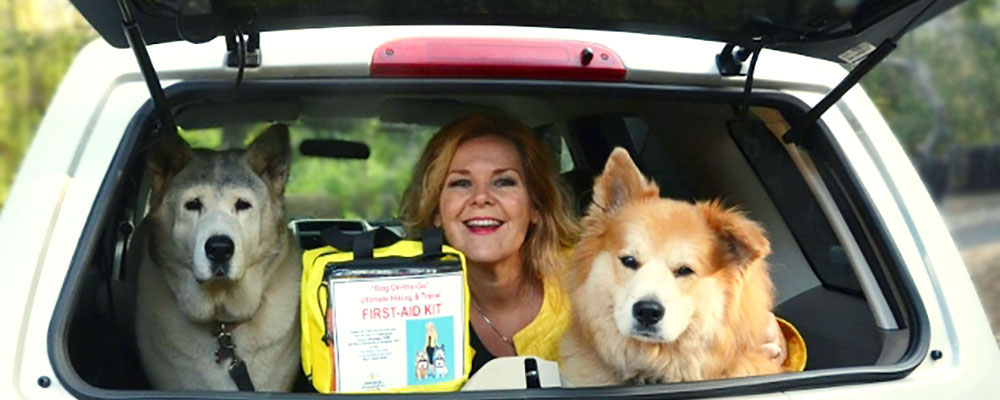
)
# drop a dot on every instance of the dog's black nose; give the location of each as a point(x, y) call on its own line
point(219, 249)
point(647, 312)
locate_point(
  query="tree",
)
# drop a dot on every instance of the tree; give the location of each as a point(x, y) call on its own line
point(938, 90)
point(34, 54)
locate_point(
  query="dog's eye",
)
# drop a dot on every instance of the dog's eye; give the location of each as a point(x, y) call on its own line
point(242, 205)
point(193, 205)
point(629, 262)
point(683, 271)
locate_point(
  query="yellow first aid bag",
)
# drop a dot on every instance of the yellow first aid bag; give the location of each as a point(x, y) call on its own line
point(385, 315)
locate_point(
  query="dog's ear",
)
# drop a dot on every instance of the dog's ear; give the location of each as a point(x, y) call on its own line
point(167, 158)
point(741, 240)
point(269, 156)
point(620, 182)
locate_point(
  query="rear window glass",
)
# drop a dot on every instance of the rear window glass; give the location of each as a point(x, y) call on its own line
point(320, 187)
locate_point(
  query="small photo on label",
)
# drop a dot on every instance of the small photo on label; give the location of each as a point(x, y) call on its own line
point(429, 344)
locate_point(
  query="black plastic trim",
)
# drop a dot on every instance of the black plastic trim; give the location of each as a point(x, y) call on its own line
point(200, 91)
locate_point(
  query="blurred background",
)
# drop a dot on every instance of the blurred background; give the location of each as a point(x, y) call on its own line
point(939, 92)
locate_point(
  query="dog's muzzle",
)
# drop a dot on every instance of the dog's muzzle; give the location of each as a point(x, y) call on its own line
point(219, 250)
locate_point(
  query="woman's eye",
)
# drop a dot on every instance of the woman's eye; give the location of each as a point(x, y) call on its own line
point(505, 182)
point(629, 262)
point(460, 183)
point(242, 205)
point(683, 271)
point(193, 205)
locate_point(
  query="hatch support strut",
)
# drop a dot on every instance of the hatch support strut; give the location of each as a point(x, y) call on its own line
point(794, 135)
point(730, 63)
point(138, 45)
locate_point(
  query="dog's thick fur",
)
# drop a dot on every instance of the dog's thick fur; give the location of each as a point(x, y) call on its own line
point(714, 314)
point(183, 293)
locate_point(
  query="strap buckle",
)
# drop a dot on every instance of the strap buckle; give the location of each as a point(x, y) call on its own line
point(227, 349)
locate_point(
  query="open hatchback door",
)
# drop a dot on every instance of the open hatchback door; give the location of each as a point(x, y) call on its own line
point(846, 31)
point(836, 30)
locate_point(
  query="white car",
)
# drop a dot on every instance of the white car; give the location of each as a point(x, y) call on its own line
point(864, 266)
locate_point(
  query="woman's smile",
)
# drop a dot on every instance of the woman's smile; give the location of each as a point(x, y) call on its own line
point(483, 225)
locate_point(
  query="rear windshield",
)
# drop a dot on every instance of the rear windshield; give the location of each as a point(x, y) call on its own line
point(329, 187)
point(691, 146)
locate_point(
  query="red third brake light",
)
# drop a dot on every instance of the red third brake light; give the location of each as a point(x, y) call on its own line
point(496, 58)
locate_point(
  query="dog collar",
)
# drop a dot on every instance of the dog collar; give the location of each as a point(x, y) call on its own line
point(227, 351)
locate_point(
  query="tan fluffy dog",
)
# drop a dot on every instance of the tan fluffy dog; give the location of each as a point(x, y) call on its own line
point(664, 290)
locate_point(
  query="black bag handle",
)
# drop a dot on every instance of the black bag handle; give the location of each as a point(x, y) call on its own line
point(363, 244)
point(433, 241)
point(334, 237)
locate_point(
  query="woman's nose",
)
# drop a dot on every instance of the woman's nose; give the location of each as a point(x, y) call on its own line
point(482, 195)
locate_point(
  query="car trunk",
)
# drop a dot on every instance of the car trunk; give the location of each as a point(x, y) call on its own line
point(833, 264)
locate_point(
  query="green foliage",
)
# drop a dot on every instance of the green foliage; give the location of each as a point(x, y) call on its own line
point(31, 67)
point(368, 189)
point(337, 188)
point(961, 48)
point(202, 138)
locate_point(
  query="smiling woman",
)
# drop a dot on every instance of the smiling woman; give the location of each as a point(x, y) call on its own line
point(484, 203)
point(493, 188)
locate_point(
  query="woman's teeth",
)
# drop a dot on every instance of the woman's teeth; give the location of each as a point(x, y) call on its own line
point(483, 223)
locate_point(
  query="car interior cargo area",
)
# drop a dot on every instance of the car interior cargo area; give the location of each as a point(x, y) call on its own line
point(354, 144)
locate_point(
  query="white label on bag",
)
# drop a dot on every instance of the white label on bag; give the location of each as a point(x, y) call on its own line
point(396, 332)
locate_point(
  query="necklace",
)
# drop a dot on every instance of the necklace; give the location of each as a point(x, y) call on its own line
point(490, 324)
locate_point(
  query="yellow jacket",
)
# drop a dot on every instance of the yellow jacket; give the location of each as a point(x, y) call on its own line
point(541, 337)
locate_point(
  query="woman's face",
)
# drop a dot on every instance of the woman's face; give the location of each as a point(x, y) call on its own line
point(485, 208)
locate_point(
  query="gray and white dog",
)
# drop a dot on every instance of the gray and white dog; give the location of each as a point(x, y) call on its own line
point(218, 263)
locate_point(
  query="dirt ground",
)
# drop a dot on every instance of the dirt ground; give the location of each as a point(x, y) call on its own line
point(974, 222)
point(983, 263)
